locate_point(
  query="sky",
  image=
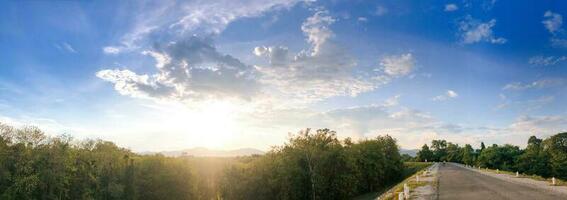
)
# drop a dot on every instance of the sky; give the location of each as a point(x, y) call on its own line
point(169, 75)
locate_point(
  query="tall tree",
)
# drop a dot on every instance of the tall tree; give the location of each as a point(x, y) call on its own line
point(556, 146)
point(425, 154)
point(468, 154)
point(439, 150)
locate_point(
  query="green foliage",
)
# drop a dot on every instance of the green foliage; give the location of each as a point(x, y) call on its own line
point(534, 160)
point(500, 157)
point(439, 150)
point(311, 165)
point(556, 146)
point(468, 156)
point(34, 166)
point(316, 166)
point(425, 154)
point(546, 158)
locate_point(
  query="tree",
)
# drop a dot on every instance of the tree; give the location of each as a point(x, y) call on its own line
point(534, 160)
point(556, 146)
point(454, 153)
point(468, 154)
point(425, 154)
point(439, 150)
point(500, 157)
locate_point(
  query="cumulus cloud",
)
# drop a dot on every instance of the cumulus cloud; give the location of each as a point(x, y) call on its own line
point(538, 84)
point(324, 70)
point(398, 65)
point(450, 94)
point(190, 69)
point(451, 7)
point(474, 31)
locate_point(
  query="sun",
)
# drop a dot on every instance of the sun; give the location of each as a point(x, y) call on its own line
point(212, 124)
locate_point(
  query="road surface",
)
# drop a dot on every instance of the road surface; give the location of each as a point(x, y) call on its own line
point(458, 183)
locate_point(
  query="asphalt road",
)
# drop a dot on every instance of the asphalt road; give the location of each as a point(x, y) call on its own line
point(463, 184)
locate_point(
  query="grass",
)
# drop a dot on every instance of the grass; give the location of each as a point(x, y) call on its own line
point(558, 182)
point(410, 169)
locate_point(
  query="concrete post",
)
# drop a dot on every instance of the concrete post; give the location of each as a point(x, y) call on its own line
point(517, 174)
point(553, 181)
point(406, 191)
point(497, 171)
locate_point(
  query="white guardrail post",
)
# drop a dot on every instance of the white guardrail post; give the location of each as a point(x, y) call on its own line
point(517, 174)
point(406, 191)
point(553, 181)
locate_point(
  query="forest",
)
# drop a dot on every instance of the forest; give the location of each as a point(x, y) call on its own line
point(310, 165)
point(542, 157)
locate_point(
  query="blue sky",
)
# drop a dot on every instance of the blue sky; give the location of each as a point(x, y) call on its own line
point(163, 75)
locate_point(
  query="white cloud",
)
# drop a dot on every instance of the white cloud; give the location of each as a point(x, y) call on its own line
point(398, 65)
point(450, 94)
point(527, 105)
point(392, 101)
point(69, 48)
point(380, 11)
point(188, 70)
point(451, 7)
point(558, 42)
point(546, 61)
point(176, 19)
point(552, 22)
point(540, 125)
point(538, 84)
point(49, 126)
point(66, 46)
point(362, 19)
point(111, 50)
point(473, 31)
point(323, 71)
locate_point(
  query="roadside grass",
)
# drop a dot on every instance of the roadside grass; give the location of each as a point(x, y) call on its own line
point(410, 170)
point(558, 182)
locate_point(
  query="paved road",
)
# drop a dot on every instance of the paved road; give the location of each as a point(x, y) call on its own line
point(463, 184)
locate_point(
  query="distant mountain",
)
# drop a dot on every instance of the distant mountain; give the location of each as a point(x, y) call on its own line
point(205, 152)
point(411, 152)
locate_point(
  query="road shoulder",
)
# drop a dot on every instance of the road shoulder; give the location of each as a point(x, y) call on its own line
point(542, 185)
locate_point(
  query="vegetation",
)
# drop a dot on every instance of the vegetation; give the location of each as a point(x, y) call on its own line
point(317, 166)
point(311, 165)
point(546, 158)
